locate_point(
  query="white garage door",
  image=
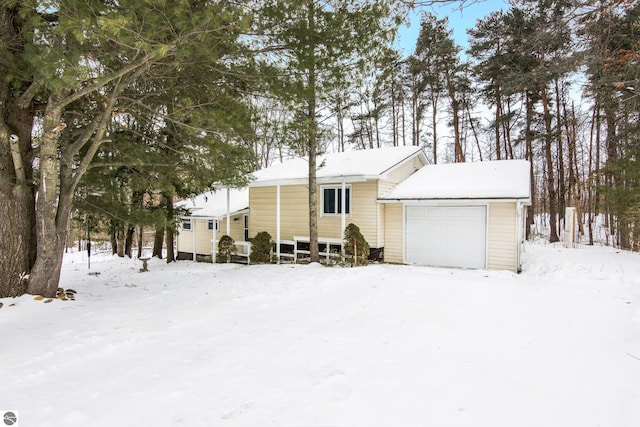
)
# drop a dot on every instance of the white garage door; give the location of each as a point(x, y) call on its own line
point(446, 236)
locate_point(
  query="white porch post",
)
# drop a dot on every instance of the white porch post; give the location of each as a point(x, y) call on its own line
point(214, 244)
point(228, 212)
point(278, 223)
point(193, 237)
point(343, 217)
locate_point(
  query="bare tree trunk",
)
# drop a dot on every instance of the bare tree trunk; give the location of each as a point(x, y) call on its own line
point(575, 193)
point(312, 140)
point(51, 225)
point(13, 228)
point(508, 146)
point(455, 111)
point(157, 242)
point(529, 148)
point(59, 177)
point(128, 241)
point(473, 130)
point(404, 125)
point(171, 256)
point(394, 114)
point(562, 187)
point(434, 124)
point(169, 232)
point(340, 123)
point(593, 168)
point(17, 210)
point(498, 120)
point(140, 240)
point(113, 239)
point(551, 187)
point(17, 202)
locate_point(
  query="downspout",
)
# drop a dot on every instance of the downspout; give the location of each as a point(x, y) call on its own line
point(519, 234)
point(278, 223)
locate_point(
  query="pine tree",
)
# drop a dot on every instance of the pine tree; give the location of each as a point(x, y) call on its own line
point(613, 68)
point(440, 72)
point(78, 70)
point(320, 42)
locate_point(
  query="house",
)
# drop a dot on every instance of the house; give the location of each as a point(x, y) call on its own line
point(469, 215)
point(348, 187)
point(210, 216)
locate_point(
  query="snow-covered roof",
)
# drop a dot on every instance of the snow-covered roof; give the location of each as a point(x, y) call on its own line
point(497, 179)
point(213, 204)
point(349, 165)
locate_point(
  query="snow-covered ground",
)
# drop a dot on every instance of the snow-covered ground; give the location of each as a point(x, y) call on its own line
point(303, 345)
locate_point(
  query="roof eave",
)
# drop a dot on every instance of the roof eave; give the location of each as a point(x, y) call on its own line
point(319, 180)
point(404, 200)
point(223, 215)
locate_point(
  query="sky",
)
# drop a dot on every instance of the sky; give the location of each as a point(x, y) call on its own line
point(459, 21)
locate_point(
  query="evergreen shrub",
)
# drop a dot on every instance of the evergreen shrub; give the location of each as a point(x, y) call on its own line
point(351, 233)
point(226, 248)
point(261, 248)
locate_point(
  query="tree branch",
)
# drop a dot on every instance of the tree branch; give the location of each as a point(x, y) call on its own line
point(99, 136)
point(26, 98)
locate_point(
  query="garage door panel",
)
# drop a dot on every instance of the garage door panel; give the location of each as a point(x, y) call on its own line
point(446, 236)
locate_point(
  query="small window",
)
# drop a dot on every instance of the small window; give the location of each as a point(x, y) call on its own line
point(332, 200)
point(186, 223)
point(212, 224)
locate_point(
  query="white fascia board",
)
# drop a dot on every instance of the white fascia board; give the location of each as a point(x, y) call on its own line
point(223, 216)
point(420, 154)
point(322, 180)
point(449, 202)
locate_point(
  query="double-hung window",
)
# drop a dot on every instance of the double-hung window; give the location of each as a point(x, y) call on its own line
point(212, 224)
point(332, 200)
point(186, 223)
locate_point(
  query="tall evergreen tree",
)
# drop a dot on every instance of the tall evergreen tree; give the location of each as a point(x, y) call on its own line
point(612, 33)
point(71, 64)
point(440, 71)
point(320, 42)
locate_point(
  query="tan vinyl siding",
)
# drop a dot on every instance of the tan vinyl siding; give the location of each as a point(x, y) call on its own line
point(393, 232)
point(184, 241)
point(262, 202)
point(294, 211)
point(364, 210)
point(236, 229)
point(204, 235)
point(502, 237)
point(203, 238)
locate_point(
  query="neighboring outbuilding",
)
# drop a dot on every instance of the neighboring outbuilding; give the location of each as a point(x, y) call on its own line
point(211, 216)
point(469, 215)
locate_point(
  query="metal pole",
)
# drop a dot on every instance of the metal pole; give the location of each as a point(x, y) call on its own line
point(89, 243)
